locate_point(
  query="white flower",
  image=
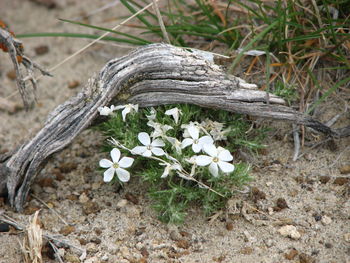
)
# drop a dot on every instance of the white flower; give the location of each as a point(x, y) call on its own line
point(149, 147)
point(218, 158)
point(175, 143)
point(105, 111)
point(159, 129)
point(127, 109)
point(116, 166)
point(153, 114)
point(169, 167)
point(186, 126)
point(216, 129)
point(197, 143)
point(175, 112)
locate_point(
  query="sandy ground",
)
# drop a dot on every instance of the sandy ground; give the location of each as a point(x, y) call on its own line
point(118, 225)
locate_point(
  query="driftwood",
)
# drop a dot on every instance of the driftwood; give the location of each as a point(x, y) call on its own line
point(149, 76)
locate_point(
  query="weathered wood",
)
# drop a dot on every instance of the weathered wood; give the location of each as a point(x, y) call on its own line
point(151, 75)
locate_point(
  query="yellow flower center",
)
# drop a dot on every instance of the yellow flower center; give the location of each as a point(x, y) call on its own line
point(149, 147)
point(215, 159)
point(115, 165)
point(195, 141)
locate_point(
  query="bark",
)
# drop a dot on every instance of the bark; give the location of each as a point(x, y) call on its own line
point(149, 76)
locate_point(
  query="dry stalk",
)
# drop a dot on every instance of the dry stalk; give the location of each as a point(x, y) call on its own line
point(33, 241)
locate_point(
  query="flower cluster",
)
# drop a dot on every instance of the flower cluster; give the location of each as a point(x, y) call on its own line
point(200, 136)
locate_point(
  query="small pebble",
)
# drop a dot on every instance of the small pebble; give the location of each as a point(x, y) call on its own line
point(72, 258)
point(66, 230)
point(82, 241)
point(11, 74)
point(29, 210)
point(4, 227)
point(183, 244)
point(341, 180)
point(122, 203)
point(344, 169)
point(328, 245)
point(144, 252)
point(317, 217)
point(47, 3)
point(130, 197)
point(91, 208)
point(174, 233)
point(269, 243)
point(304, 258)
point(326, 220)
point(257, 194)
point(289, 231)
point(41, 50)
point(83, 198)
point(46, 182)
point(96, 240)
point(67, 167)
point(73, 84)
point(229, 226)
point(98, 231)
point(347, 237)
point(291, 254)
point(105, 257)
point(246, 250)
point(91, 248)
point(324, 179)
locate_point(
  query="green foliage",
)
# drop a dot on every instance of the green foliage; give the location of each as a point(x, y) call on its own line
point(294, 31)
point(173, 195)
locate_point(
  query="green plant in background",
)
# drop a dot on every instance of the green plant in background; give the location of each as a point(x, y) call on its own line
point(303, 36)
point(182, 154)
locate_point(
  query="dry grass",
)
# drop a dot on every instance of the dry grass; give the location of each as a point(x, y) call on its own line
point(33, 241)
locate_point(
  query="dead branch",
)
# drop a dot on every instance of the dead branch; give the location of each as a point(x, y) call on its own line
point(149, 76)
point(15, 49)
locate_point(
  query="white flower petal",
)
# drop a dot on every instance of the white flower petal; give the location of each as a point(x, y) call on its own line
point(125, 112)
point(175, 112)
point(186, 142)
point(196, 148)
point(210, 149)
point(126, 162)
point(105, 111)
point(115, 154)
point(119, 107)
point(166, 171)
point(108, 175)
point(147, 153)
point(213, 169)
point(157, 151)
point(166, 128)
point(135, 107)
point(123, 174)
point(158, 143)
point(193, 131)
point(203, 160)
point(144, 138)
point(139, 150)
point(171, 111)
point(226, 167)
point(104, 163)
point(225, 155)
point(153, 114)
point(205, 140)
